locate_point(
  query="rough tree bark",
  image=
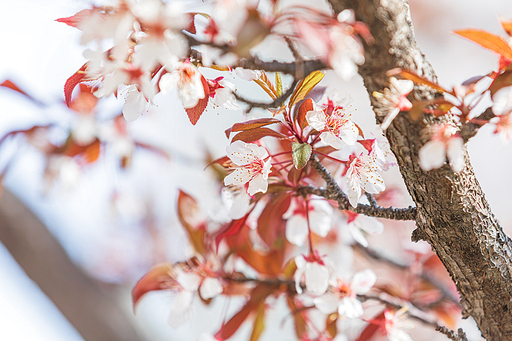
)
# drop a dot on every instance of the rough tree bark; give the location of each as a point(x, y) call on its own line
point(453, 215)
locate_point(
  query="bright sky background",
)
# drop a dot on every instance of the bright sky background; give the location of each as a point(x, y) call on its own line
point(40, 54)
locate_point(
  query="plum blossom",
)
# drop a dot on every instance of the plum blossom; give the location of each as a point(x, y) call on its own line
point(394, 99)
point(502, 108)
point(342, 296)
point(359, 222)
point(444, 143)
point(335, 123)
point(221, 91)
point(363, 173)
point(394, 324)
point(189, 283)
point(320, 218)
point(315, 272)
point(248, 75)
point(251, 165)
point(188, 80)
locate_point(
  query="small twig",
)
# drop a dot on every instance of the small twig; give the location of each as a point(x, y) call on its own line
point(278, 102)
point(460, 336)
point(371, 199)
point(334, 192)
point(254, 63)
point(426, 277)
point(468, 130)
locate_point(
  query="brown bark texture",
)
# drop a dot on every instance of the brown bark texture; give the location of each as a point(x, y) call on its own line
point(90, 308)
point(453, 215)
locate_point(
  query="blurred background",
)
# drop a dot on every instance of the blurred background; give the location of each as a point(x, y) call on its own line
point(74, 242)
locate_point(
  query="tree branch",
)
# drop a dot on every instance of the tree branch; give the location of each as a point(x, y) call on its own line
point(278, 102)
point(468, 130)
point(452, 213)
point(334, 192)
point(460, 336)
point(91, 309)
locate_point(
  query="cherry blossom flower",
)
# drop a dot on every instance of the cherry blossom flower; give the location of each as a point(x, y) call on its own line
point(188, 80)
point(320, 218)
point(502, 108)
point(190, 282)
point(342, 297)
point(362, 174)
point(394, 324)
point(444, 143)
point(394, 99)
point(252, 165)
point(246, 74)
point(359, 222)
point(314, 271)
point(221, 90)
point(335, 123)
point(378, 149)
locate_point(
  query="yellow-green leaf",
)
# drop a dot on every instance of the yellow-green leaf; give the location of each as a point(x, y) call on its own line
point(259, 323)
point(279, 85)
point(305, 86)
point(301, 152)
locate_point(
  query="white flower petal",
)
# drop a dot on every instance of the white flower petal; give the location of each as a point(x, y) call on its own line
point(238, 177)
point(455, 153)
point(432, 155)
point(349, 133)
point(188, 280)
point(353, 190)
point(210, 288)
point(317, 278)
point(180, 311)
point(369, 225)
point(257, 184)
point(320, 222)
point(502, 101)
point(350, 307)
point(331, 139)
point(316, 119)
point(357, 234)
point(296, 230)
point(134, 105)
point(363, 281)
point(327, 303)
point(240, 153)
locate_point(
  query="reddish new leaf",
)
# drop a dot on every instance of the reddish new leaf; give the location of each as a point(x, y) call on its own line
point(306, 106)
point(195, 113)
point(9, 84)
point(416, 78)
point(92, 151)
point(72, 82)
point(271, 224)
point(230, 230)
point(76, 19)
point(488, 40)
point(188, 211)
point(258, 295)
point(158, 278)
point(252, 124)
point(371, 328)
point(256, 134)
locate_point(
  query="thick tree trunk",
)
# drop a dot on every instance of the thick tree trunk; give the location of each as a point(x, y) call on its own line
point(93, 311)
point(453, 215)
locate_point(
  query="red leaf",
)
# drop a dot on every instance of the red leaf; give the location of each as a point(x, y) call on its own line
point(271, 224)
point(488, 40)
point(9, 84)
point(306, 106)
point(191, 27)
point(258, 295)
point(371, 329)
point(188, 210)
point(72, 82)
point(256, 134)
point(230, 230)
point(252, 124)
point(157, 278)
point(416, 78)
point(76, 19)
point(195, 113)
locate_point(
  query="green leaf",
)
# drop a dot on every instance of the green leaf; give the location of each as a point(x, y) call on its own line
point(301, 152)
point(279, 85)
point(305, 86)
